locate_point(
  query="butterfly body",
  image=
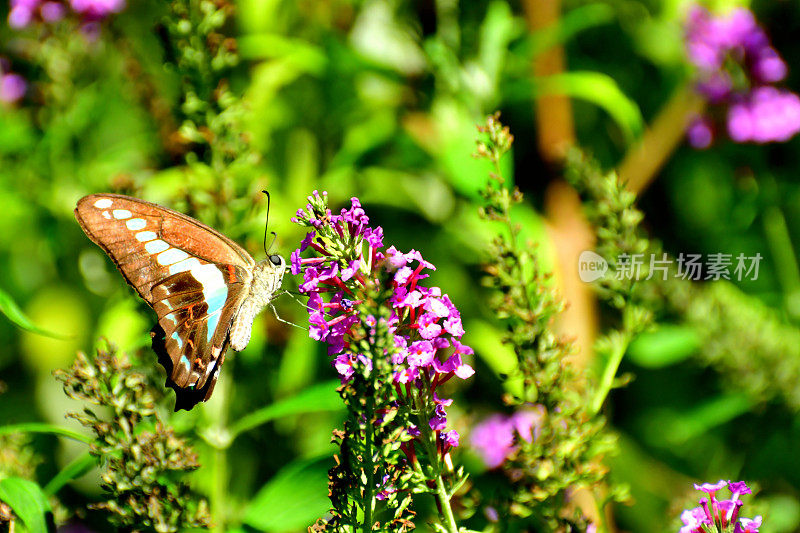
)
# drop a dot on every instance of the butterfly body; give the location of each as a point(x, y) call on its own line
point(266, 282)
point(205, 289)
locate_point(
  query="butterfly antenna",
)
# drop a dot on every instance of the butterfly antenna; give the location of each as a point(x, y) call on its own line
point(266, 227)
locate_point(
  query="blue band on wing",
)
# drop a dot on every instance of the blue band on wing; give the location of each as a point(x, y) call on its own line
point(216, 301)
point(215, 294)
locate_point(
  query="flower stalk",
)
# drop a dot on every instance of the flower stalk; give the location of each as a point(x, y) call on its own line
point(551, 446)
point(140, 454)
point(394, 343)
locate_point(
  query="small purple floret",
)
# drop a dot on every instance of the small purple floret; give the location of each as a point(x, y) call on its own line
point(713, 511)
point(729, 47)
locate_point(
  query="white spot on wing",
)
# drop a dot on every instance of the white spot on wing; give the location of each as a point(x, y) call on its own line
point(121, 214)
point(107, 215)
point(136, 224)
point(144, 236)
point(208, 370)
point(183, 266)
point(209, 276)
point(173, 255)
point(103, 203)
point(154, 247)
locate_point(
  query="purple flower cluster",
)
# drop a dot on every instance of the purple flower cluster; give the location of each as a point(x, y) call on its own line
point(95, 10)
point(736, 67)
point(713, 515)
point(423, 323)
point(25, 12)
point(495, 438)
point(12, 86)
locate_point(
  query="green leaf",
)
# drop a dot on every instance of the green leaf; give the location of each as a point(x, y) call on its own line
point(302, 55)
point(75, 469)
point(38, 427)
point(669, 428)
point(497, 30)
point(487, 340)
point(16, 133)
point(784, 512)
point(321, 397)
point(665, 346)
point(28, 502)
point(10, 308)
point(293, 499)
point(570, 24)
point(600, 89)
point(466, 174)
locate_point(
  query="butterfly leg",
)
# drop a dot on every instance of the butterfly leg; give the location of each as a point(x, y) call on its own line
point(295, 298)
point(282, 320)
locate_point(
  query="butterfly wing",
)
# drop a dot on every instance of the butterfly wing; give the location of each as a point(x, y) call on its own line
point(194, 277)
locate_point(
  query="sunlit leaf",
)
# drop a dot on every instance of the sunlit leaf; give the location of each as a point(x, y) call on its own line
point(784, 512)
point(16, 133)
point(301, 55)
point(28, 502)
point(499, 27)
point(293, 499)
point(38, 427)
point(487, 341)
point(573, 22)
point(672, 428)
point(75, 469)
point(320, 397)
point(600, 89)
point(12, 311)
point(667, 345)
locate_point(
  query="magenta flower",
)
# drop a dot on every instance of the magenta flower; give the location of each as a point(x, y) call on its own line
point(711, 41)
point(700, 133)
point(52, 11)
point(424, 324)
point(747, 525)
point(736, 66)
point(493, 439)
point(739, 487)
point(718, 516)
point(711, 488)
point(94, 10)
point(25, 12)
point(22, 13)
point(12, 87)
point(766, 115)
point(496, 438)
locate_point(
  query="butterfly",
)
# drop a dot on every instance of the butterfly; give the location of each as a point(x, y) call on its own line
point(205, 288)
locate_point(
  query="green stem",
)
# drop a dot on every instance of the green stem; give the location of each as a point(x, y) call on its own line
point(428, 440)
point(369, 491)
point(220, 439)
point(444, 502)
point(38, 427)
point(220, 487)
point(619, 345)
point(780, 244)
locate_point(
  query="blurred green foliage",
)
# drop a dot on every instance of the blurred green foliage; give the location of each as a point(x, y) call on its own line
point(379, 99)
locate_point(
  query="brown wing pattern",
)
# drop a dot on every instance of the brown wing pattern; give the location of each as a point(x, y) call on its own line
point(192, 276)
point(143, 239)
point(195, 316)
